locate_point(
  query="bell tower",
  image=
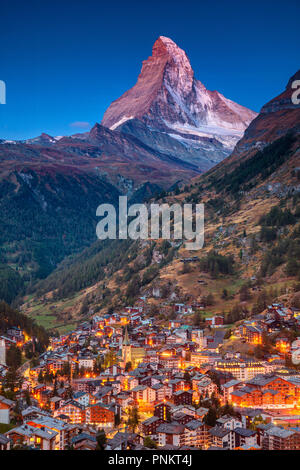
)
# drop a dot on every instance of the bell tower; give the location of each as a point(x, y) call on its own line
point(126, 348)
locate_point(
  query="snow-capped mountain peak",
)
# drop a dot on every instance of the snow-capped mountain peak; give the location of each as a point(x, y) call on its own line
point(167, 98)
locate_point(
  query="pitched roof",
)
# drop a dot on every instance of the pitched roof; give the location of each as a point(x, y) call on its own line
point(279, 432)
point(26, 430)
point(219, 431)
point(170, 428)
point(194, 424)
point(245, 432)
point(83, 436)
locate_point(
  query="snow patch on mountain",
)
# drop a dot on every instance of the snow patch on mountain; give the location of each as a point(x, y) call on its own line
point(120, 122)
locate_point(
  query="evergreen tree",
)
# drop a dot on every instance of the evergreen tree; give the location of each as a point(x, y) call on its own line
point(101, 440)
point(150, 443)
point(27, 397)
point(11, 382)
point(55, 387)
point(40, 377)
point(133, 418)
point(14, 357)
point(225, 294)
point(69, 392)
point(211, 417)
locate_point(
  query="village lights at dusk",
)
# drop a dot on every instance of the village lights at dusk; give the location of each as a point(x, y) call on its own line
point(150, 231)
point(156, 387)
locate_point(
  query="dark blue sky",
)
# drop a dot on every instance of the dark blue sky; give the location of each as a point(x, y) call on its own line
point(64, 61)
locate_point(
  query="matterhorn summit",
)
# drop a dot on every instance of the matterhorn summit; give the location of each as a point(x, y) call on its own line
point(173, 112)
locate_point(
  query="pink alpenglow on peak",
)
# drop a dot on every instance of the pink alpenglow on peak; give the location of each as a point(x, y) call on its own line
point(168, 99)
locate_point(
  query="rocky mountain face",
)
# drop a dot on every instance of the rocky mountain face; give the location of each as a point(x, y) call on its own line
point(277, 118)
point(171, 111)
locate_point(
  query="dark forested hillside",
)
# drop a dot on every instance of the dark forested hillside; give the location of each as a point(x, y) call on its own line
point(10, 283)
point(11, 318)
point(43, 220)
point(90, 266)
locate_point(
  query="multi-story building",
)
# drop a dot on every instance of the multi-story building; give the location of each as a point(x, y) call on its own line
point(74, 410)
point(42, 438)
point(64, 431)
point(229, 387)
point(163, 410)
point(183, 397)
point(150, 425)
point(196, 434)
point(221, 437)
point(99, 416)
point(86, 362)
point(277, 438)
point(203, 385)
point(241, 369)
point(144, 394)
point(244, 437)
point(251, 333)
point(268, 392)
point(215, 321)
point(170, 433)
point(6, 407)
point(197, 336)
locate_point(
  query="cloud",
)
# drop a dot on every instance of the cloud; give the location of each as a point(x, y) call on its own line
point(80, 125)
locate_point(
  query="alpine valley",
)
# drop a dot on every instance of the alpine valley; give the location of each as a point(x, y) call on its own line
point(167, 139)
point(50, 187)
